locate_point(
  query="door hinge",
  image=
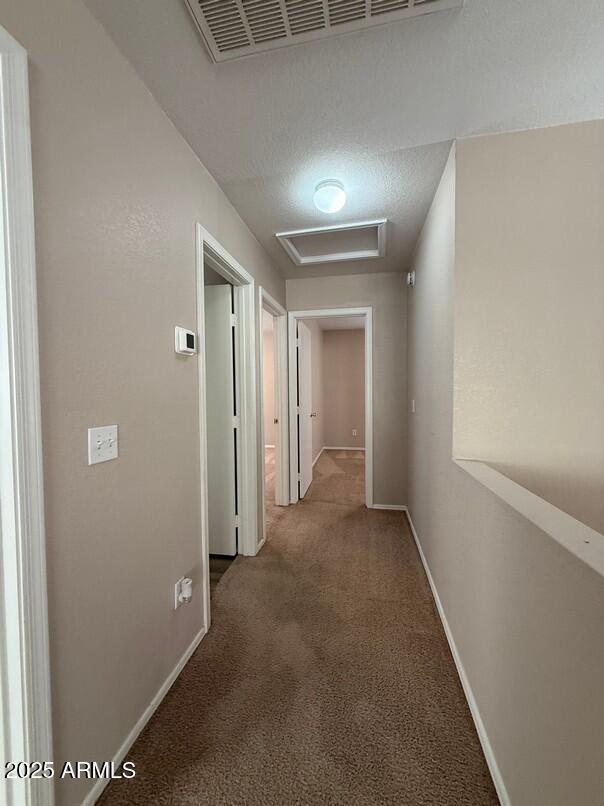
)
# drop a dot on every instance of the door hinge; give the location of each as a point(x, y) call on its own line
point(233, 320)
point(236, 421)
point(299, 476)
point(298, 341)
point(237, 521)
point(297, 409)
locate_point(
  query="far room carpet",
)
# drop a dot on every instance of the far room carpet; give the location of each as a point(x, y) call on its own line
point(326, 677)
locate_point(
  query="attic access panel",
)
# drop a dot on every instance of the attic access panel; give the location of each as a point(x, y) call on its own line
point(235, 28)
point(360, 241)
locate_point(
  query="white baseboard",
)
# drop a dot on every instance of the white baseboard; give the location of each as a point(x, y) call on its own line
point(101, 783)
point(397, 507)
point(316, 459)
point(502, 793)
point(337, 448)
point(331, 448)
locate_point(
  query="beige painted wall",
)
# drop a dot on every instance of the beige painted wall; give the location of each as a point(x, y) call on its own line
point(318, 398)
point(386, 294)
point(344, 388)
point(529, 326)
point(525, 614)
point(268, 369)
point(117, 195)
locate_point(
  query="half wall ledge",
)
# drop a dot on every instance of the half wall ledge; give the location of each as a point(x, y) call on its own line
point(581, 540)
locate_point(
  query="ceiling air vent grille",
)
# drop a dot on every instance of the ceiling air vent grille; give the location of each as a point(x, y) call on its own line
point(342, 11)
point(235, 28)
point(384, 6)
point(265, 20)
point(305, 16)
point(224, 24)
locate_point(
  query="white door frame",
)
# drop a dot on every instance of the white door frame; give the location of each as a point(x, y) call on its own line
point(322, 313)
point(245, 360)
point(25, 714)
point(267, 302)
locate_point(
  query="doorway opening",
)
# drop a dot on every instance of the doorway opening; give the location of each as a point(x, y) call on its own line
point(227, 409)
point(273, 386)
point(221, 415)
point(330, 380)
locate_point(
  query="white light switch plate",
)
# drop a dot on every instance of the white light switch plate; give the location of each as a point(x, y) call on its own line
point(102, 444)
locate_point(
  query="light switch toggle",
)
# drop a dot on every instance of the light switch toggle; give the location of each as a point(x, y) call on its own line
point(102, 444)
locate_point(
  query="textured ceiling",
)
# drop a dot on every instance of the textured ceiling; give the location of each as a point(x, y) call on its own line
point(399, 185)
point(375, 109)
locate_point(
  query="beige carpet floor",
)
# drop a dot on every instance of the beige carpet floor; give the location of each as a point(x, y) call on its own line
point(218, 567)
point(326, 677)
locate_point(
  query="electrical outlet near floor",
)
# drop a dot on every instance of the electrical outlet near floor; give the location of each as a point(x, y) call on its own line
point(183, 591)
point(354, 432)
point(177, 591)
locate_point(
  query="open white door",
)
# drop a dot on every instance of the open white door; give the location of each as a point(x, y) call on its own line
point(221, 431)
point(305, 413)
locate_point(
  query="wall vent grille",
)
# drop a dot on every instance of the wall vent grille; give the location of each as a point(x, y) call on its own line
point(235, 28)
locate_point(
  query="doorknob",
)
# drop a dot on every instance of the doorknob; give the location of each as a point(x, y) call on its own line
point(276, 420)
point(313, 414)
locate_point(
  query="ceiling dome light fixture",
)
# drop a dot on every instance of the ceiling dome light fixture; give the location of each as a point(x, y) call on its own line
point(330, 196)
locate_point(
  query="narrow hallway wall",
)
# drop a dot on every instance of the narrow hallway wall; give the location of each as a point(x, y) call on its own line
point(525, 615)
point(529, 323)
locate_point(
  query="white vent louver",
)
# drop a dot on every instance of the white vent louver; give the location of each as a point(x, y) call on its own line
point(235, 28)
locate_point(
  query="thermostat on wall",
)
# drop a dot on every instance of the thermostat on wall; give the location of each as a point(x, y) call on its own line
point(184, 341)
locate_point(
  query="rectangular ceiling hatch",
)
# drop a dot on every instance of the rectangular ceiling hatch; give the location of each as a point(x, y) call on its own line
point(235, 28)
point(362, 240)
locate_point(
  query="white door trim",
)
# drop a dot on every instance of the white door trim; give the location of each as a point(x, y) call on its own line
point(266, 301)
point(245, 359)
point(25, 713)
point(304, 406)
point(321, 313)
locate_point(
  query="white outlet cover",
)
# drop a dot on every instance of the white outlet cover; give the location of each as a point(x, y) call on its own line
point(102, 444)
point(177, 591)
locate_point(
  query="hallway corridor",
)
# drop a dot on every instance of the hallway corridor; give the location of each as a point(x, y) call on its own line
point(326, 677)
